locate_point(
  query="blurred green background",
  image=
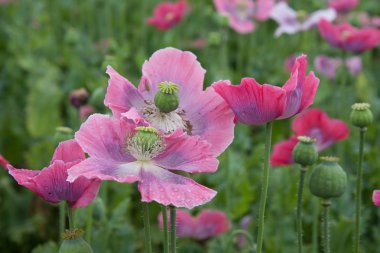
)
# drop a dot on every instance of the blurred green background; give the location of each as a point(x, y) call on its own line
point(49, 48)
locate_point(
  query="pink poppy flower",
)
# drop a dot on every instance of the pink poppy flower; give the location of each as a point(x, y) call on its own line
point(290, 22)
point(167, 14)
point(313, 123)
point(376, 197)
point(3, 162)
point(208, 223)
point(354, 65)
point(348, 37)
point(50, 183)
point(240, 13)
point(343, 5)
point(119, 151)
point(202, 113)
point(327, 66)
point(256, 104)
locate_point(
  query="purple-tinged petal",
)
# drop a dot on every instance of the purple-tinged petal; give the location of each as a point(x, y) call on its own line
point(251, 102)
point(68, 151)
point(97, 168)
point(121, 94)
point(173, 65)
point(286, 18)
point(104, 137)
point(167, 188)
point(315, 17)
point(187, 153)
point(354, 65)
point(327, 66)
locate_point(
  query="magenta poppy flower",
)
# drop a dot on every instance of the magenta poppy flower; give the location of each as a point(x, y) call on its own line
point(343, 5)
point(202, 113)
point(241, 13)
point(167, 14)
point(313, 123)
point(256, 104)
point(119, 151)
point(50, 183)
point(3, 162)
point(208, 223)
point(290, 22)
point(376, 197)
point(348, 37)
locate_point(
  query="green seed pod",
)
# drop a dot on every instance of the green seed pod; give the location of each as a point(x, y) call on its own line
point(305, 153)
point(361, 116)
point(166, 98)
point(328, 179)
point(74, 243)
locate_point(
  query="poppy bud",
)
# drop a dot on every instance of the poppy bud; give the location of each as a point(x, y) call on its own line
point(78, 97)
point(328, 179)
point(305, 153)
point(166, 98)
point(74, 243)
point(361, 116)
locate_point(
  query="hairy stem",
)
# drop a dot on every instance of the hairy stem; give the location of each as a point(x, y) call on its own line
point(148, 240)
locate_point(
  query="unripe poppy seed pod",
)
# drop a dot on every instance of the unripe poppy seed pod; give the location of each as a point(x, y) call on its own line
point(361, 115)
point(305, 153)
point(166, 98)
point(74, 243)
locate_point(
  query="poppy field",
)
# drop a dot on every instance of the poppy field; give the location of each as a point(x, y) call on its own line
point(189, 126)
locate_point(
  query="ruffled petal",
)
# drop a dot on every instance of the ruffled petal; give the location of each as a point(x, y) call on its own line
point(187, 153)
point(376, 197)
point(97, 168)
point(68, 151)
point(212, 119)
point(167, 188)
point(173, 65)
point(313, 19)
point(103, 136)
point(282, 152)
point(121, 94)
point(251, 102)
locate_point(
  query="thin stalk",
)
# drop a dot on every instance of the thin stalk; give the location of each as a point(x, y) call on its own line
point(264, 190)
point(62, 218)
point(359, 190)
point(173, 246)
point(89, 223)
point(326, 230)
point(315, 227)
point(299, 208)
point(148, 240)
point(165, 228)
point(71, 216)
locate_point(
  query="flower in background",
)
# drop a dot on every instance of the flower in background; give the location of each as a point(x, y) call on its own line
point(376, 197)
point(207, 224)
point(78, 97)
point(313, 123)
point(120, 150)
point(245, 222)
point(167, 14)
point(291, 22)
point(328, 66)
point(349, 38)
point(343, 5)
point(256, 104)
point(241, 13)
point(50, 183)
point(3, 162)
point(85, 111)
point(196, 112)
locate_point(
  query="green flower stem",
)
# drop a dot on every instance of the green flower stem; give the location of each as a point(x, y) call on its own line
point(299, 208)
point(264, 190)
point(89, 223)
point(326, 230)
point(71, 216)
point(62, 218)
point(359, 190)
point(148, 240)
point(315, 227)
point(172, 230)
point(165, 228)
point(235, 233)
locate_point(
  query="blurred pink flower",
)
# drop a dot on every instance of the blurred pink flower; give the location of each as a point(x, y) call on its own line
point(50, 183)
point(241, 13)
point(256, 104)
point(343, 5)
point(202, 113)
point(327, 66)
point(354, 65)
point(208, 223)
point(245, 222)
point(290, 22)
point(199, 43)
point(348, 37)
point(115, 154)
point(85, 111)
point(168, 14)
point(3, 162)
point(313, 123)
point(376, 197)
